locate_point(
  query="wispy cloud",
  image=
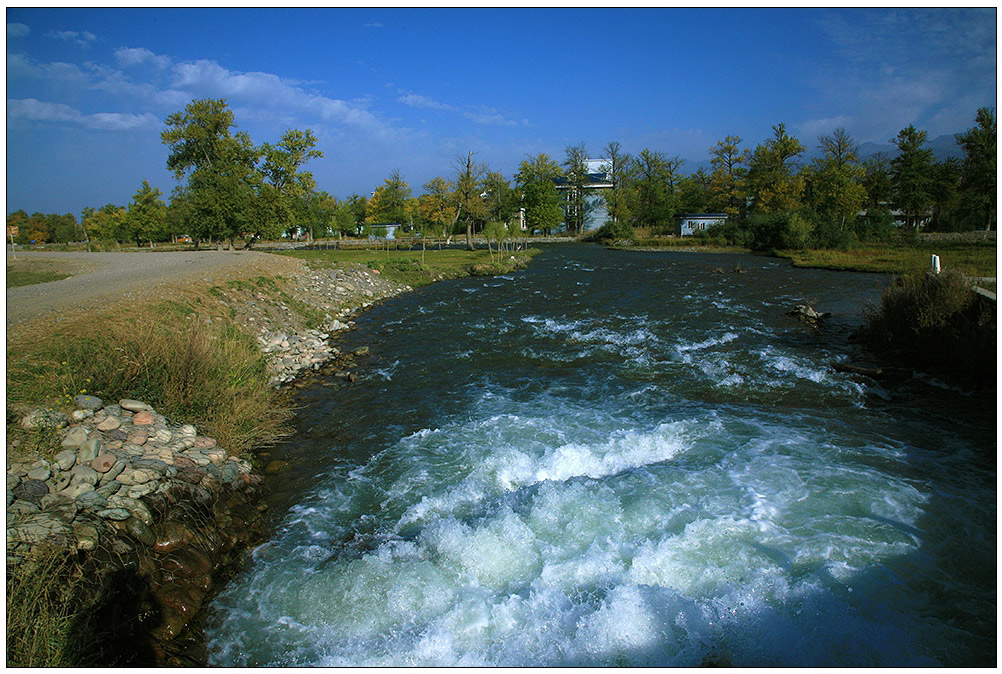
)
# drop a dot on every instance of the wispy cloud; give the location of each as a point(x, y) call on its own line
point(33, 110)
point(491, 117)
point(482, 115)
point(878, 68)
point(424, 102)
point(17, 30)
point(82, 39)
point(372, 25)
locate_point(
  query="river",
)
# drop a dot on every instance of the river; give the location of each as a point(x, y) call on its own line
point(624, 458)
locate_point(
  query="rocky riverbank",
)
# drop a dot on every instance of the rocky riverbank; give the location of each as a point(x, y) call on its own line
point(156, 512)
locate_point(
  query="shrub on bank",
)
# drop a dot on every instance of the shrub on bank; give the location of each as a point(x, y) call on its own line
point(194, 369)
point(936, 323)
point(612, 232)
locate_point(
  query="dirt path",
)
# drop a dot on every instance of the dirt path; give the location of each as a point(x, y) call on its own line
point(104, 279)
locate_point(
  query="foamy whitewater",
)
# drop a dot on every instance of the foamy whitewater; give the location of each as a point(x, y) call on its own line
point(624, 459)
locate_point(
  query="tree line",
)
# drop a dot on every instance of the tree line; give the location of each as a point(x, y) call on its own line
point(230, 189)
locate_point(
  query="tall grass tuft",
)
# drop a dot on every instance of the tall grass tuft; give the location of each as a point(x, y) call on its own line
point(190, 368)
point(936, 323)
point(44, 598)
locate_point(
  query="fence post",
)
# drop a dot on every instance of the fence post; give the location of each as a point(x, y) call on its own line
point(934, 264)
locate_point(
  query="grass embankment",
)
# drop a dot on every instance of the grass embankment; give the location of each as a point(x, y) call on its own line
point(173, 354)
point(29, 272)
point(418, 268)
point(970, 259)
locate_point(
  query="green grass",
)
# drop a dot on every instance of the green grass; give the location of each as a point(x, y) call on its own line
point(406, 266)
point(29, 277)
point(970, 259)
point(189, 367)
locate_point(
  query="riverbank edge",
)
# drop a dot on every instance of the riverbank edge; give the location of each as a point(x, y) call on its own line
point(181, 530)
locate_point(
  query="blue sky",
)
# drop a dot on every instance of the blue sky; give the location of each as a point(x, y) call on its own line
point(410, 89)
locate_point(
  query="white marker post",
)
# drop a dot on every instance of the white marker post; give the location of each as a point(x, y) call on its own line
point(934, 264)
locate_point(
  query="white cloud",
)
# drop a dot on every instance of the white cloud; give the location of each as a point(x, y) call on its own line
point(482, 115)
point(372, 25)
point(33, 110)
point(82, 39)
point(490, 117)
point(17, 30)
point(424, 102)
point(205, 78)
point(128, 56)
point(900, 66)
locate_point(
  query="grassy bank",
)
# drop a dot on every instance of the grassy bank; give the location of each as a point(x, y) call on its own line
point(419, 268)
point(29, 272)
point(180, 355)
point(970, 259)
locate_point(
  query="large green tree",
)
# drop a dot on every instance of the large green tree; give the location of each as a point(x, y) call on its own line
point(290, 189)
point(834, 183)
point(774, 185)
point(147, 217)
point(978, 182)
point(388, 202)
point(539, 193)
point(912, 175)
point(654, 199)
point(221, 168)
point(727, 181)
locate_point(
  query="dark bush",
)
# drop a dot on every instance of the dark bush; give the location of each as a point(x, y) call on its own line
point(937, 324)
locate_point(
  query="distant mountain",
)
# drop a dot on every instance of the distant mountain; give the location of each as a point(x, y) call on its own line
point(943, 148)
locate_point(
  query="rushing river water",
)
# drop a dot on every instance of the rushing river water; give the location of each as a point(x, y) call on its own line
point(625, 459)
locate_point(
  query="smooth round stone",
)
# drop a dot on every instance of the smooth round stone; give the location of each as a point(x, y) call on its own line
point(65, 459)
point(44, 419)
point(109, 424)
point(75, 437)
point(87, 535)
point(92, 500)
point(88, 402)
point(117, 514)
point(40, 473)
point(143, 418)
point(138, 437)
point(140, 531)
point(31, 490)
point(134, 506)
point(104, 463)
point(87, 452)
point(134, 405)
point(84, 475)
point(80, 415)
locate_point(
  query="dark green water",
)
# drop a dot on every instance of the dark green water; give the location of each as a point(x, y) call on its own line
point(625, 459)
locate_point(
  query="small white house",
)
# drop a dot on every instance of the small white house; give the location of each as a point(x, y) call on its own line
point(690, 223)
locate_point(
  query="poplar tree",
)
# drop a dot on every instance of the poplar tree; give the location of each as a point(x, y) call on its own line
point(774, 186)
point(727, 181)
point(911, 175)
point(466, 194)
point(978, 178)
point(617, 167)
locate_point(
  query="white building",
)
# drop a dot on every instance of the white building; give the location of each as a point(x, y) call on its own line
point(690, 223)
point(596, 182)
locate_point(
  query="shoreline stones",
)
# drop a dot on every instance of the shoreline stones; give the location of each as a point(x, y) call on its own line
point(130, 492)
point(133, 507)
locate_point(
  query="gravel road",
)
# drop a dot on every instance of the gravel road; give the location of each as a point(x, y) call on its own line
point(100, 279)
